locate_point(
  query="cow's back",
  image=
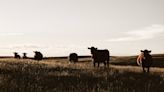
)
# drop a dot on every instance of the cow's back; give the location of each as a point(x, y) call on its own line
point(38, 56)
point(73, 57)
point(101, 55)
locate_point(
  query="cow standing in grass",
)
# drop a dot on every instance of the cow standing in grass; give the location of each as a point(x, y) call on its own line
point(24, 55)
point(38, 55)
point(100, 56)
point(73, 57)
point(145, 60)
point(16, 55)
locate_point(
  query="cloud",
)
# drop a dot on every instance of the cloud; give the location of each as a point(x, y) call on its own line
point(11, 34)
point(143, 34)
point(24, 46)
point(28, 46)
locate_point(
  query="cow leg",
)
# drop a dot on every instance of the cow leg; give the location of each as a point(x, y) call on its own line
point(94, 64)
point(98, 64)
point(148, 69)
point(107, 63)
point(104, 63)
point(143, 69)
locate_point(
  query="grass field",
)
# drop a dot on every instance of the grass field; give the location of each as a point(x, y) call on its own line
point(58, 75)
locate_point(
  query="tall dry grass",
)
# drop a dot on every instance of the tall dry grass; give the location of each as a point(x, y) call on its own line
point(57, 75)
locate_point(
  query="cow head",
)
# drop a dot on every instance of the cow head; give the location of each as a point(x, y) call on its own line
point(36, 52)
point(146, 52)
point(93, 49)
point(24, 54)
point(15, 53)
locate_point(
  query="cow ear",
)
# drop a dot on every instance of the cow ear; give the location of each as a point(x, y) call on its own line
point(141, 50)
point(89, 48)
point(150, 51)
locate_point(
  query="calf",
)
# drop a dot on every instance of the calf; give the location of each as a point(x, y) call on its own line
point(16, 55)
point(24, 55)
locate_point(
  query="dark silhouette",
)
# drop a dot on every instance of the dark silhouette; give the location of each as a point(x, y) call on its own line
point(38, 55)
point(73, 57)
point(24, 55)
point(16, 55)
point(145, 60)
point(100, 56)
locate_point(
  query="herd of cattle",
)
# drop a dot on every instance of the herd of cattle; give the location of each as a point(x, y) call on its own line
point(38, 55)
point(99, 56)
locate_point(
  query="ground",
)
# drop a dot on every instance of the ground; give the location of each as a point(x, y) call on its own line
point(58, 75)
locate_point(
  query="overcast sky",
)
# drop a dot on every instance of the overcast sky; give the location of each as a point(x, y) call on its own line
point(59, 27)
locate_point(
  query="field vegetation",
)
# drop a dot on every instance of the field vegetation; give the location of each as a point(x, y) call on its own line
point(58, 75)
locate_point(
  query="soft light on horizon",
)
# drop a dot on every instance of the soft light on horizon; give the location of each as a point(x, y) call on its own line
point(59, 27)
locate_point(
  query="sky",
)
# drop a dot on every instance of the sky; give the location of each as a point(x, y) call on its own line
point(60, 27)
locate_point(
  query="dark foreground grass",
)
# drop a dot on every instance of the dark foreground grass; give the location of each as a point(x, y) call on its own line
point(31, 76)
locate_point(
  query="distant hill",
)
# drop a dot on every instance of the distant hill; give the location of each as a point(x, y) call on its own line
point(131, 60)
point(158, 55)
point(6, 56)
point(116, 60)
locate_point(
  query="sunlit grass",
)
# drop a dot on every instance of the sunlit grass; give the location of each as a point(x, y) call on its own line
point(58, 75)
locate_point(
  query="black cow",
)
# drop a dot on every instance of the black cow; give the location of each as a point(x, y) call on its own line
point(145, 59)
point(73, 57)
point(38, 55)
point(16, 55)
point(100, 56)
point(24, 55)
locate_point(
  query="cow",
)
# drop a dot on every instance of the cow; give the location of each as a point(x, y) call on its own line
point(38, 55)
point(16, 55)
point(100, 56)
point(145, 60)
point(24, 55)
point(73, 57)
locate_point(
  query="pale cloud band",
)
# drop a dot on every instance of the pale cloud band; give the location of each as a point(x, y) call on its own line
point(11, 34)
point(29, 46)
point(151, 32)
point(25, 46)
